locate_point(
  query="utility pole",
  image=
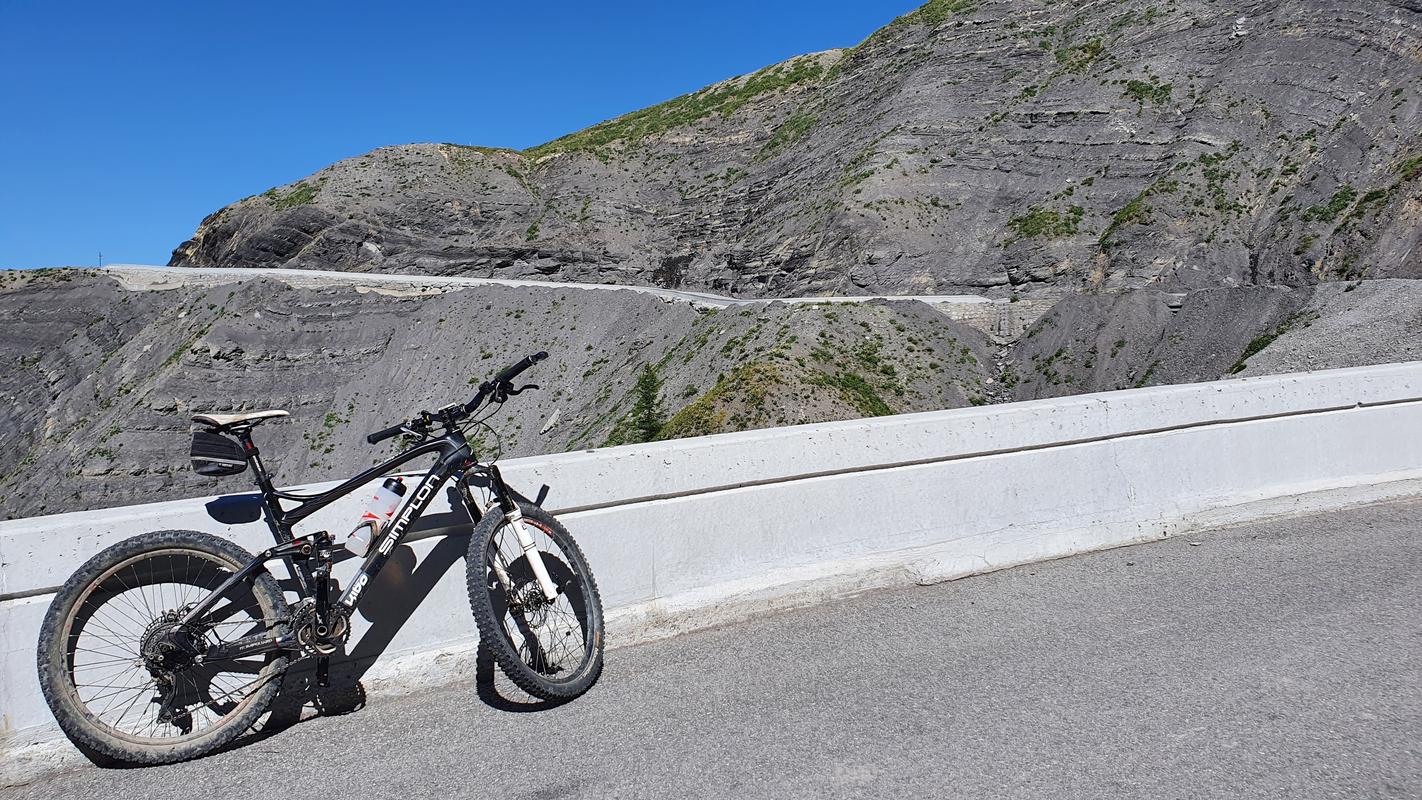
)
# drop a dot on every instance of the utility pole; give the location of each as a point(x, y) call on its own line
point(101, 259)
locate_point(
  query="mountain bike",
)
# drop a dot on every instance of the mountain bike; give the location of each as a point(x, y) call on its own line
point(171, 644)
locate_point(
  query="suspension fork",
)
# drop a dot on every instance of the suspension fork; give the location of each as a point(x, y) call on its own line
point(514, 515)
point(476, 514)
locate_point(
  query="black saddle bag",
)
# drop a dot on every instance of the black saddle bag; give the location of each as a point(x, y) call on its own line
point(215, 455)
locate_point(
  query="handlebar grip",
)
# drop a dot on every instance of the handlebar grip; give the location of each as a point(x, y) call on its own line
point(504, 377)
point(379, 436)
point(511, 371)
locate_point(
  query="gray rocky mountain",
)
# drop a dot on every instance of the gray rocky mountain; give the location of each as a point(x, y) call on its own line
point(1147, 338)
point(995, 147)
point(99, 379)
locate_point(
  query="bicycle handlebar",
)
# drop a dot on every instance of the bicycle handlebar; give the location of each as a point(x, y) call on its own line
point(514, 369)
point(498, 385)
point(380, 436)
point(501, 380)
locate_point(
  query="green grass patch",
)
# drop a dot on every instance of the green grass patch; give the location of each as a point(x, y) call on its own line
point(1256, 344)
point(1078, 58)
point(1144, 92)
point(300, 194)
point(859, 392)
point(1149, 373)
point(1263, 340)
point(687, 109)
point(1410, 168)
point(1337, 204)
point(787, 133)
point(930, 14)
point(1044, 224)
point(707, 414)
point(1135, 212)
point(937, 12)
point(1373, 200)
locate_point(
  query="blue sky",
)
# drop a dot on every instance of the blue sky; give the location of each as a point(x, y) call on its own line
point(124, 124)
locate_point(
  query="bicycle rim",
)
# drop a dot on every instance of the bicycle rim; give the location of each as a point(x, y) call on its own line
point(556, 640)
point(125, 612)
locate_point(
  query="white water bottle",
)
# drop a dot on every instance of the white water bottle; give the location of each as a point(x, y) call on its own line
point(381, 508)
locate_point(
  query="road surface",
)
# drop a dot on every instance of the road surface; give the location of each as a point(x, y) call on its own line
point(1281, 659)
point(152, 277)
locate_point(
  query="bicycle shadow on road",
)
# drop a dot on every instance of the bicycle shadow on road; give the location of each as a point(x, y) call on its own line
point(502, 695)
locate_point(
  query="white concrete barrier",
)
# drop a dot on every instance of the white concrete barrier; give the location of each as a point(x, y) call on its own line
point(694, 532)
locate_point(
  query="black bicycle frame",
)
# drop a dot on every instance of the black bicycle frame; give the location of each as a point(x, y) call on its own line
point(454, 455)
point(455, 459)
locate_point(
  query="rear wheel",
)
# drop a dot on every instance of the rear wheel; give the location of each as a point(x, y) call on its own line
point(550, 649)
point(126, 680)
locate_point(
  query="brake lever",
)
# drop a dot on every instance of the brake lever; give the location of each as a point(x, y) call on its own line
point(521, 389)
point(421, 424)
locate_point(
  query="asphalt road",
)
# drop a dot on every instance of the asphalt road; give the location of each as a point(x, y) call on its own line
point(146, 276)
point(1274, 660)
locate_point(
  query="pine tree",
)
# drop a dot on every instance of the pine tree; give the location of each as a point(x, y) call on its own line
point(647, 419)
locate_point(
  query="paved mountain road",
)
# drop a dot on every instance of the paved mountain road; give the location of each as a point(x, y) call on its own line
point(1281, 659)
point(141, 276)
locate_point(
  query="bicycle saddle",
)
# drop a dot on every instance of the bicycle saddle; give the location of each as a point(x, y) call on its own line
point(228, 420)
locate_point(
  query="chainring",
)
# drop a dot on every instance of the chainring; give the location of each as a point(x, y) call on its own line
point(312, 640)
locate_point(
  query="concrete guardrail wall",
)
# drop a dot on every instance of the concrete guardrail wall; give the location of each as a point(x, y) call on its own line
point(686, 533)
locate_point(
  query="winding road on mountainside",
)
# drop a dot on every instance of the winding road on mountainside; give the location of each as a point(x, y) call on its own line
point(143, 276)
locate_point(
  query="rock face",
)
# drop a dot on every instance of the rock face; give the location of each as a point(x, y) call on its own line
point(1148, 338)
point(1345, 325)
point(99, 381)
point(1145, 338)
point(993, 147)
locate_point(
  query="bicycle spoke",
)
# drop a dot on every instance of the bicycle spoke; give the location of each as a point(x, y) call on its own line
point(142, 593)
point(118, 694)
point(551, 637)
point(136, 600)
point(92, 664)
point(99, 652)
point(113, 640)
point(131, 595)
point(116, 614)
point(131, 667)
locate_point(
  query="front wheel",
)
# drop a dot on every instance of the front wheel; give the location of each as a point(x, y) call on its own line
point(550, 649)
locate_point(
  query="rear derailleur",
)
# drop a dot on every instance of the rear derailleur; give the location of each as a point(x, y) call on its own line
point(167, 649)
